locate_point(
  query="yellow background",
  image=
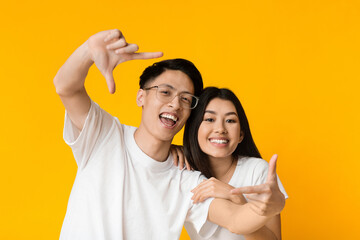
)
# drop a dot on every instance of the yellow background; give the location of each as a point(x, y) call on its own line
point(293, 64)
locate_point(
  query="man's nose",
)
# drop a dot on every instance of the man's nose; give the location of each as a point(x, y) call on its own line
point(175, 103)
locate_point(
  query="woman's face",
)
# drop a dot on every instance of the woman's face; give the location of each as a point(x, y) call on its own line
point(220, 132)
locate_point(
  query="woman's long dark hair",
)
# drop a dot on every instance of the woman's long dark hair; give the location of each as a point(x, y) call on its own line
point(195, 156)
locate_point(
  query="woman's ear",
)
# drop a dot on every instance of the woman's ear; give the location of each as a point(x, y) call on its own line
point(140, 97)
point(242, 135)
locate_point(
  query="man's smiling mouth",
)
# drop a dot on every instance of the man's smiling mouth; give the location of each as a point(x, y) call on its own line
point(168, 120)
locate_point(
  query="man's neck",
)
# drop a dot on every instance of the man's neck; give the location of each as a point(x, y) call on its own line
point(154, 148)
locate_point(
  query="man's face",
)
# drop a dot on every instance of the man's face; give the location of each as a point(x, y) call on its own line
point(162, 120)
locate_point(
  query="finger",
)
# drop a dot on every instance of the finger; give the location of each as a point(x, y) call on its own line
point(238, 199)
point(201, 196)
point(147, 55)
point(242, 199)
point(181, 161)
point(188, 167)
point(200, 186)
point(250, 189)
point(204, 196)
point(175, 156)
point(253, 197)
point(110, 82)
point(272, 177)
point(204, 193)
point(205, 184)
point(130, 48)
point(262, 208)
point(116, 33)
point(118, 44)
point(181, 158)
point(254, 206)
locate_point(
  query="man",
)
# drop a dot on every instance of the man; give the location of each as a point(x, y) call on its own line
point(126, 185)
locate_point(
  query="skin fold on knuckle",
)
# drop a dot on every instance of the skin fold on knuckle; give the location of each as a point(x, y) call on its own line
point(117, 31)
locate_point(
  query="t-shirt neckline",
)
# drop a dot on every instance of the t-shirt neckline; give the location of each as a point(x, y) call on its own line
point(142, 158)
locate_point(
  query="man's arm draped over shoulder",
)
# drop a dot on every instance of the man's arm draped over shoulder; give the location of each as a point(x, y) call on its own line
point(106, 49)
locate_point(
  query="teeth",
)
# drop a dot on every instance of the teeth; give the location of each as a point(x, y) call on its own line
point(169, 117)
point(220, 141)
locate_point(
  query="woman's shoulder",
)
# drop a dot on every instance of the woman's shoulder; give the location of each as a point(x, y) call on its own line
point(252, 162)
point(249, 171)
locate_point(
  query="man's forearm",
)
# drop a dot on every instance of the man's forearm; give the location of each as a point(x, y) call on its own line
point(262, 233)
point(246, 221)
point(239, 219)
point(71, 76)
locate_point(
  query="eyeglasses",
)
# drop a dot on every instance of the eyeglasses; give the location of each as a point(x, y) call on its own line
point(167, 93)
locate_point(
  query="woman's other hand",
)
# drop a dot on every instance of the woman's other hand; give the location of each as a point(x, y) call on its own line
point(179, 158)
point(215, 188)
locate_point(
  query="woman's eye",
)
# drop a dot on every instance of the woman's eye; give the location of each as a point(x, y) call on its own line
point(230, 121)
point(208, 119)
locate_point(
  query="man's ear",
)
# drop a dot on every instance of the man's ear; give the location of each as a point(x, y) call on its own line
point(140, 97)
point(242, 135)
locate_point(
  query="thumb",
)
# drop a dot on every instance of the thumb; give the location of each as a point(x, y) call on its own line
point(110, 82)
point(272, 177)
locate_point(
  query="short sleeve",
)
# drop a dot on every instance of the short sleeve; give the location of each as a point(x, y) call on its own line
point(197, 217)
point(83, 143)
point(260, 175)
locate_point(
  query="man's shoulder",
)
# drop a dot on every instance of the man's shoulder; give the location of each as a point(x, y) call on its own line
point(127, 128)
point(188, 179)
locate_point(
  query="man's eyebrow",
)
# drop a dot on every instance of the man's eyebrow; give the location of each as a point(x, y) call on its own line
point(168, 85)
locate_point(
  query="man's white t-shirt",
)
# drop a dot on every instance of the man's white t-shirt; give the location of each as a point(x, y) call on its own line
point(249, 172)
point(120, 192)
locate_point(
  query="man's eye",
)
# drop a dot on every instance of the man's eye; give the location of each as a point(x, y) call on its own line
point(165, 92)
point(186, 99)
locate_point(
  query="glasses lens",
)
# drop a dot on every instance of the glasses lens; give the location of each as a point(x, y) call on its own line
point(188, 100)
point(194, 102)
point(167, 94)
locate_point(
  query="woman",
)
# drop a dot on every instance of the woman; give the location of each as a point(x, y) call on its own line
point(218, 142)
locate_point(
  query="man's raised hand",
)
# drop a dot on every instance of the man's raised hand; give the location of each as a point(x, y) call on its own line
point(265, 199)
point(109, 48)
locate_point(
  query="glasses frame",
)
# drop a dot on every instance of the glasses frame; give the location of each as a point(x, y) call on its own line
point(178, 94)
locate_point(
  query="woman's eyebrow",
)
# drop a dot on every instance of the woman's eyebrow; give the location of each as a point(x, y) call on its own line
point(210, 111)
point(226, 114)
point(230, 113)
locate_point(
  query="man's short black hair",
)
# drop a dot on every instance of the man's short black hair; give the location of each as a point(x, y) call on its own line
point(185, 66)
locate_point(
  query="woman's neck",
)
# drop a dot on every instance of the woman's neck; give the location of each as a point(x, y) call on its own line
point(223, 168)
